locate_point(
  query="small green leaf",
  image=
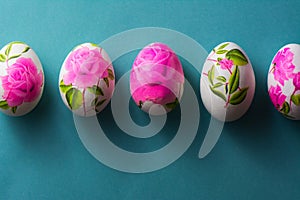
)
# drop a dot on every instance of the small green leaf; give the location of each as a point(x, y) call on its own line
point(94, 45)
point(285, 108)
point(218, 93)
point(74, 98)
point(106, 81)
point(221, 51)
point(110, 74)
point(296, 99)
point(17, 42)
point(64, 88)
point(172, 105)
point(2, 58)
point(7, 51)
point(26, 49)
point(217, 85)
point(234, 80)
point(100, 103)
point(14, 56)
point(221, 78)
point(4, 105)
point(239, 96)
point(94, 102)
point(95, 90)
point(219, 59)
point(211, 74)
point(14, 109)
point(223, 46)
point(237, 57)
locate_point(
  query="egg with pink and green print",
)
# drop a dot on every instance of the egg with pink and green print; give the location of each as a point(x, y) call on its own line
point(21, 79)
point(156, 79)
point(227, 82)
point(87, 80)
point(284, 81)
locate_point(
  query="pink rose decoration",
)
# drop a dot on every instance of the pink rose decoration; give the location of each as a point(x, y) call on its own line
point(23, 82)
point(85, 67)
point(226, 64)
point(156, 75)
point(296, 81)
point(276, 96)
point(283, 66)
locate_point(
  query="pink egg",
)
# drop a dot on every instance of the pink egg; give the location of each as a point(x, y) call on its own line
point(156, 78)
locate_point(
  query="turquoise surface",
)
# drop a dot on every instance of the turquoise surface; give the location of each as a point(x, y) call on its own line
point(257, 157)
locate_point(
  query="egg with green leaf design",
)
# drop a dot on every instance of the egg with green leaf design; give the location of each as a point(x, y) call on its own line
point(227, 82)
point(21, 79)
point(87, 80)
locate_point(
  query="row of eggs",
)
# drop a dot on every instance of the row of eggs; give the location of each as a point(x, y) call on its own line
point(87, 80)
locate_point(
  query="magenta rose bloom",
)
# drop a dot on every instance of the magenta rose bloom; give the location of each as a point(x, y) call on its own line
point(156, 75)
point(226, 64)
point(283, 66)
point(296, 81)
point(85, 67)
point(23, 82)
point(276, 96)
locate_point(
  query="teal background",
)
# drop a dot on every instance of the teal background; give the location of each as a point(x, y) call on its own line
point(257, 157)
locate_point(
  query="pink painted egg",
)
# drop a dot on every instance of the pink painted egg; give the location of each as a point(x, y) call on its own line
point(156, 79)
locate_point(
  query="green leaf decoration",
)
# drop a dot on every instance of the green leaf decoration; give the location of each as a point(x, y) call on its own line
point(100, 103)
point(173, 104)
point(110, 74)
point(94, 45)
point(2, 58)
point(95, 90)
point(226, 88)
point(74, 98)
point(296, 99)
point(26, 49)
point(237, 57)
point(17, 42)
point(14, 109)
point(4, 105)
point(221, 78)
point(223, 46)
point(239, 96)
point(8, 49)
point(234, 80)
point(217, 85)
point(64, 88)
point(285, 108)
point(14, 56)
point(211, 74)
point(218, 93)
point(221, 51)
point(94, 102)
point(106, 81)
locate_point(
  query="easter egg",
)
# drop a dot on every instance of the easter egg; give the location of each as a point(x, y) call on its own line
point(284, 81)
point(21, 79)
point(227, 82)
point(156, 79)
point(86, 80)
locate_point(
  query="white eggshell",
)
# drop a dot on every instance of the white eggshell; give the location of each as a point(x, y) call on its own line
point(284, 81)
point(86, 80)
point(21, 79)
point(227, 82)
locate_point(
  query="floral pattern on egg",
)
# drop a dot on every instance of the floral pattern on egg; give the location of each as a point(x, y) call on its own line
point(284, 81)
point(87, 80)
point(227, 82)
point(22, 79)
point(156, 78)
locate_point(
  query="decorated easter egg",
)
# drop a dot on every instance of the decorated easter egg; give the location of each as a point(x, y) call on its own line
point(227, 82)
point(284, 81)
point(156, 79)
point(86, 80)
point(21, 79)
